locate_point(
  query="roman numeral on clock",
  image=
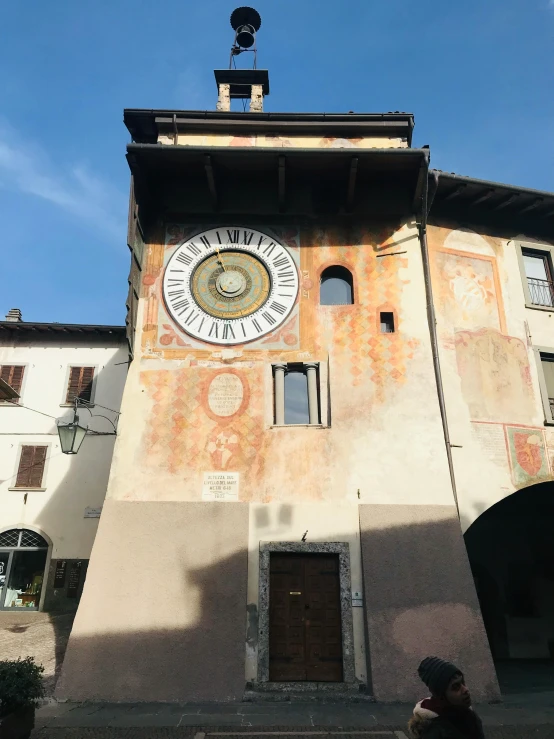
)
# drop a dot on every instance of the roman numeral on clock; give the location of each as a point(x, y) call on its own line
point(184, 259)
point(278, 307)
point(247, 237)
point(269, 318)
point(280, 262)
point(205, 241)
point(213, 331)
point(184, 304)
point(193, 248)
point(269, 248)
point(193, 315)
point(257, 326)
point(228, 331)
point(233, 236)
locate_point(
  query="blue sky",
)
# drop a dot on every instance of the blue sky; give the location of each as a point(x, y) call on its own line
point(478, 75)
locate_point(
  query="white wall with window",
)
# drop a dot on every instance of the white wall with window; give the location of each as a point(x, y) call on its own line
point(41, 489)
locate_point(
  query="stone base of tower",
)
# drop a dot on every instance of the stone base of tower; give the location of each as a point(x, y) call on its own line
point(171, 587)
point(421, 601)
point(162, 617)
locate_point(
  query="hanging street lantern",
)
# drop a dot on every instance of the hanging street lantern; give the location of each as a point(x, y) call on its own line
point(71, 435)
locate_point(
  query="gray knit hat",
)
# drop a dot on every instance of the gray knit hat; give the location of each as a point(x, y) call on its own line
point(436, 674)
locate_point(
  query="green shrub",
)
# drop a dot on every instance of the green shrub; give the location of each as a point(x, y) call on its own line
point(20, 684)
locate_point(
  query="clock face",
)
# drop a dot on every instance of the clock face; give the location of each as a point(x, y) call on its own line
point(230, 285)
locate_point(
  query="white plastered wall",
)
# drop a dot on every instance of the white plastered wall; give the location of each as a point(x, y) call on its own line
point(71, 483)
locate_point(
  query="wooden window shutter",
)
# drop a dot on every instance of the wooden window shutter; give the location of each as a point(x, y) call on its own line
point(31, 467)
point(13, 375)
point(80, 383)
point(85, 391)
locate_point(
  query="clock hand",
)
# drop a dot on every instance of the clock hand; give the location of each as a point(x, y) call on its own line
point(219, 259)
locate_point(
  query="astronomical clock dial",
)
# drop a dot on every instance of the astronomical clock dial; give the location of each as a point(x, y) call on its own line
point(230, 285)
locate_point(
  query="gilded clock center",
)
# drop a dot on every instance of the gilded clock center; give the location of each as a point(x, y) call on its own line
point(231, 283)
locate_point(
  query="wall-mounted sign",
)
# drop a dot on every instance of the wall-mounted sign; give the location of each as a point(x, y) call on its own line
point(221, 486)
point(74, 579)
point(357, 599)
point(59, 574)
point(93, 512)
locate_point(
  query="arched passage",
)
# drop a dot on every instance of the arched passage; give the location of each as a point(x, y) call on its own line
point(511, 552)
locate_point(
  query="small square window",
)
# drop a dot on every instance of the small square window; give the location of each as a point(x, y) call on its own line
point(387, 323)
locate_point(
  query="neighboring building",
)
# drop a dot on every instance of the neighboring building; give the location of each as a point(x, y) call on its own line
point(302, 445)
point(50, 502)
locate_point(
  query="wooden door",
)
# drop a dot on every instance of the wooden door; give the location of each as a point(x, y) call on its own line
point(305, 635)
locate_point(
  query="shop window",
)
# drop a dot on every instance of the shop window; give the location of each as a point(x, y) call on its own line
point(12, 374)
point(30, 472)
point(80, 384)
point(336, 286)
point(22, 564)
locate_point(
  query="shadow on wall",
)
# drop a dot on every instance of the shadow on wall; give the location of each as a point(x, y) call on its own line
point(83, 485)
point(163, 617)
point(511, 549)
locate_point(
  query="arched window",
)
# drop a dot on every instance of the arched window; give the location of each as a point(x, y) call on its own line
point(22, 562)
point(336, 286)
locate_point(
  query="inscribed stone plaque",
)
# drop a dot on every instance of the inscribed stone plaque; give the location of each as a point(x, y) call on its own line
point(225, 394)
point(222, 486)
point(74, 579)
point(491, 440)
point(59, 574)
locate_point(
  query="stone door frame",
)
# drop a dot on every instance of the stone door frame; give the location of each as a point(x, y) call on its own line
point(343, 550)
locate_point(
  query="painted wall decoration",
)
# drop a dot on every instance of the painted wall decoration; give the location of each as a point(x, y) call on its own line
point(527, 454)
point(205, 419)
point(210, 408)
point(495, 376)
point(352, 333)
point(302, 142)
point(467, 291)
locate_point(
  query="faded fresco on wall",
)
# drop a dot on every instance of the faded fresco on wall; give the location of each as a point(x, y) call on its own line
point(205, 419)
point(361, 353)
point(211, 413)
point(302, 142)
point(527, 454)
point(495, 375)
point(466, 291)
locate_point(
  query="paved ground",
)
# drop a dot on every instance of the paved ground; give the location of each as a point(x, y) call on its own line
point(527, 712)
point(268, 721)
point(41, 635)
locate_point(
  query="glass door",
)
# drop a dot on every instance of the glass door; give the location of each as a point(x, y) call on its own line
point(4, 568)
point(24, 579)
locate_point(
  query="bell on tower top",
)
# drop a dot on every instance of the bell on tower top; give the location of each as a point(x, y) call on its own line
point(246, 84)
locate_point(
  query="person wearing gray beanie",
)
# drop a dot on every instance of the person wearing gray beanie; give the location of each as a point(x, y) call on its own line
point(447, 714)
